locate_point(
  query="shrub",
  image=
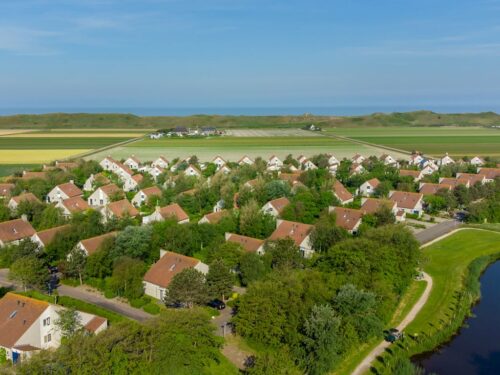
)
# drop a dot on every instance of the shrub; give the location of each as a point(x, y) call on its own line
point(151, 308)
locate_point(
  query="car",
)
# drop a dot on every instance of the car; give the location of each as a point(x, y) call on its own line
point(393, 334)
point(217, 304)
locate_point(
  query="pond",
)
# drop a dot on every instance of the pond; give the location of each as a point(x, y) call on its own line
point(476, 348)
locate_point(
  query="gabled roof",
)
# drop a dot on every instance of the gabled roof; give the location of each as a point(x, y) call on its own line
point(471, 177)
point(409, 172)
point(75, 204)
point(245, 157)
point(124, 168)
point(94, 324)
point(279, 204)
point(17, 315)
point(122, 208)
point(372, 205)
point(5, 189)
point(431, 189)
point(137, 177)
point(347, 218)
point(490, 173)
point(47, 236)
point(248, 243)
point(296, 231)
point(290, 177)
point(151, 191)
point(215, 217)
point(32, 175)
point(14, 230)
point(70, 189)
point(110, 189)
point(341, 192)
point(173, 210)
point(66, 165)
point(374, 182)
point(170, 264)
point(94, 243)
point(405, 199)
point(134, 159)
point(101, 179)
point(30, 197)
point(193, 167)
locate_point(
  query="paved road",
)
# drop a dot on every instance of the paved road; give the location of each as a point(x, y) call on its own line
point(88, 296)
point(364, 366)
point(436, 231)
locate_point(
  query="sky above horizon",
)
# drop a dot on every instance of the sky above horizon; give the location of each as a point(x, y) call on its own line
point(249, 53)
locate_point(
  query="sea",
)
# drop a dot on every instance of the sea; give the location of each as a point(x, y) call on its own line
point(253, 111)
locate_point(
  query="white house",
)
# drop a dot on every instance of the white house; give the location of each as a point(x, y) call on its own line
point(122, 171)
point(72, 205)
point(172, 211)
point(14, 231)
point(341, 193)
point(274, 163)
point(132, 162)
point(108, 163)
point(246, 160)
point(348, 218)
point(132, 183)
point(94, 180)
point(411, 203)
point(161, 162)
point(219, 162)
point(275, 207)
point(159, 276)
point(145, 194)
point(223, 170)
point(45, 237)
point(358, 159)
point(416, 159)
point(388, 160)
point(356, 169)
point(446, 160)
point(308, 165)
point(15, 201)
point(28, 326)
point(64, 191)
point(103, 195)
point(191, 170)
point(332, 160)
point(477, 161)
point(367, 188)
point(91, 245)
point(249, 244)
point(298, 232)
point(155, 171)
point(301, 159)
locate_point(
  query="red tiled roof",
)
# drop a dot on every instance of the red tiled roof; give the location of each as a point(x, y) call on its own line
point(374, 182)
point(431, 189)
point(215, 217)
point(341, 192)
point(94, 243)
point(152, 191)
point(14, 230)
point(405, 199)
point(409, 172)
point(122, 208)
point(137, 177)
point(372, 205)
point(347, 218)
point(296, 231)
point(279, 204)
point(94, 324)
point(75, 204)
point(30, 197)
point(248, 243)
point(173, 210)
point(32, 175)
point(162, 272)
point(5, 189)
point(47, 236)
point(70, 189)
point(111, 189)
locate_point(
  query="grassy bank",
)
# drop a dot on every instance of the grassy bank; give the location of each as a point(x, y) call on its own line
point(455, 264)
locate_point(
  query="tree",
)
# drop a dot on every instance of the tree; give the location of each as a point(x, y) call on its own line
point(50, 217)
point(220, 280)
point(100, 263)
point(383, 189)
point(228, 252)
point(326, 233)
point(276, 189)
point(69, 322)
point(4, 213)
point(254, 222)
point(30, 271)
point(276, 362)
point(284, 253)
point(187, 288)
point(127, 277)
point(134, 242)
point(76, 264)
point(252, 268)
point(384, 216)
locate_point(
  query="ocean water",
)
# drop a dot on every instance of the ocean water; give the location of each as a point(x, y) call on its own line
point(251, 111)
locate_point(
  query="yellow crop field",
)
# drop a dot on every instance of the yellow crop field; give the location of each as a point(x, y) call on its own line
point(36, 156)
point(4, 132)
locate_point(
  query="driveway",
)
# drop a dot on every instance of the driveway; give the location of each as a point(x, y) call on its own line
point(436, 231)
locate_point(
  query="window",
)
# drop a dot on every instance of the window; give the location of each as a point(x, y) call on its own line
point(47, 339)
point(46, 322)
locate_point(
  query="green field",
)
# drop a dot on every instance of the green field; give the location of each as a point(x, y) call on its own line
point(469, 141)
point(9, 169)
point(57, 143)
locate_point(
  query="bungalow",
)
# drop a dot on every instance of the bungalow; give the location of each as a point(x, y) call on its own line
point(27, 326)
point(133, 182)
point(274, 163)
point(427, 188)
point(191, 170)
point(144, 195)
point(45, 237)
point(454, 182)
point(358, 159)
point(119, 209)
point(108, 163)
point(91, 245)
point(356, 169)
point(411, 203)
point(246, 160)
point(341, 193)
point(159, 276)
point(388, 160)
point(373, 205)
point(332, 160)
point(446, 160)
point(249, 244)
point(219, 162)
point(308, 165)
point(161, 162)
point(64, 191)
point(214, 217)
point(6, 189)
point(25, 197)
point(172, 211)
point(347, 218)
point(477, 161)
point(95, 180)
point(298, 232)
point(34, 175)
point(14, 231)
point(417, 175)
point(416, 159)
point(489, 173)
point(104, 195)
point(122, 171)
point(72, 205)
point(275, 207)
point(156, 171)
point(472, 178)
point(132, 162)
point(367, 188)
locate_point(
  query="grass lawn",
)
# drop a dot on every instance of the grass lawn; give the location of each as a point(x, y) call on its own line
point(57, 143)
point(447, 263)
point(9, 169)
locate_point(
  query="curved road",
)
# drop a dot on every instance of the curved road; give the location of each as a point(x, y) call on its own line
point(364, 366)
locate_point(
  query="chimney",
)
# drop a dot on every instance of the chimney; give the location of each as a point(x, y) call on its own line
point(24, 217)
point(72, 182)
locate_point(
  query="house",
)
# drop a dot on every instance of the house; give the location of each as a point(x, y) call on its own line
point(95, 180)
point(132, 162)
point(219, 162)
point(428, 166)
point(25, 197)
point(477, 161)
point(489, 173)
point(416, 175)
point(428, 170)
point(122, 171)
point(159, 276)
point(108, 163)
point(356, 169)
point(72, 205)
point(388, 160)
point(5, 190)
point(292, 178)
point(172, 211)
point(472, 178)
point(251, 184)
point(454, 182)
point(341, 193)
point(347, 218)
point(161, 162)
point(358, 159)
point(301, 159)
point(119, 209)
point(66, 165)
point(411, 203)
point(219, 206)
point(373, 205)
point(64, 191)
point(367, 188)
point(91, 245)
point(416, 159)
point(274, 163)
point(180, 131)
point(246, 160)
point(332, 160)
point(156, 171)
point(298, 232)
point(45, 237)
point(104, 195)
point(214, 217)
point(208, 130)
point(223, 170)
point(27, 326)
point(249, 244)
point(446, 160)
point(427, 188)
point(133, 182)
point(191, 170)
point(34, 175)
point(144, 195)
point(333, 169)
point(275, 207)
point(14, 231)
point(308, 165)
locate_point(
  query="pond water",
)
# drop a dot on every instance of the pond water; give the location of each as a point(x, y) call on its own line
point(476, 348)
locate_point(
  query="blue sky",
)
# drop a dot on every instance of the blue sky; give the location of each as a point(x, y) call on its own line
point(249, 53)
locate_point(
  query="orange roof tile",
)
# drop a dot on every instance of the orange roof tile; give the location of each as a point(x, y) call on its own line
point(162, 272)
point(48, 235)
point(296, 231)
point(75, 204)
point(122, 208)
point(94, 243)
point(248, 243)
point(347, 218)
point(15, 230)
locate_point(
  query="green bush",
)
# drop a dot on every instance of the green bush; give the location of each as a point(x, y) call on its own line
point(140, 302)
point(70, 282)
point(108, 293)
point(151, 308)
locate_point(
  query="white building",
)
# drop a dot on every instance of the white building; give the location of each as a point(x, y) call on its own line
point(64, 191)
point(172, 211)
point(367, 188)
point(161, 162)
point(274, 163)
point(132, 162)
point(104, 195)
point(191, 170)
point(246, 160)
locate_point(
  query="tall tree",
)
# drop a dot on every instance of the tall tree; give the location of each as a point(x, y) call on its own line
point(30, 271)
point(76, 264)
point(69, 322)
point(187, 288)
point(220, 280)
